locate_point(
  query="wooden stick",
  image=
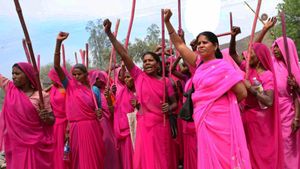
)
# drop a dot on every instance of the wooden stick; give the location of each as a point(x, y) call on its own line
point(130, 24)
point(286, 46)
point(224, 34)
point(163, 59)
point(76, 59)
point(179, 15)
point(29, 45)
point(112, 52)
point(254, 12)
point(252, 37)
point(231, 21)
point(63, 56)
point(87, 55)
point(26, 51)
point(39, 62)
point(82, 56)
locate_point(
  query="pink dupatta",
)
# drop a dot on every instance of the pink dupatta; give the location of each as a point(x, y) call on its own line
point(28, 142)
point(213, 81)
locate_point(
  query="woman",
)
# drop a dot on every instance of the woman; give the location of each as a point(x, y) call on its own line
point(260, 110)
point(86, 144)
point(288, 93)
point(58, 101)
point(124, 106)
point(99, 79)
point(27, 131)
point(153, 146)
point(218, 87)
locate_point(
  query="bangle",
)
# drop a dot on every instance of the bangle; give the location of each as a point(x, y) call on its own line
point(296, 119)
point(57, 53)
point(170, 33)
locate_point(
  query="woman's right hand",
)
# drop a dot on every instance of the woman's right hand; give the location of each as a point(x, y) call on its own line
point(99, 113)
point(107, 26)
point(168, 14)
point(235, 30)
point(270, 23)
point(62, 36)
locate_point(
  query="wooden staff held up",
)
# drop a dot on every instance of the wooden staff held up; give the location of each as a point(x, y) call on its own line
point(252, 37)
point(76, 59)
point(231, 26)
point(26, 51)
point(130, 24)
point(286, 47)
point(28, 41)
point(112, 53)
point(87, 55)
point(163, 58)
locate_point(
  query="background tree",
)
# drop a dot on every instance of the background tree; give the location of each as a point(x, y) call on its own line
point(292, 14)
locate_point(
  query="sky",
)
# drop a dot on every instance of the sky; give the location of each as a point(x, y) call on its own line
point(45, 18)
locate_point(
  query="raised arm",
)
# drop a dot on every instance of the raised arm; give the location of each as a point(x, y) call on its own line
point(232, 46)
point(117, 45)
point(60, 38)
point(270, 23)
point(187, 54)
point(175, 72)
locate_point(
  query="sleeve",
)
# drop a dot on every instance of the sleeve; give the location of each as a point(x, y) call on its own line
point(243, 65)
point(267, 80)
point(135, 72)
point(3, 82)
point(47, 105)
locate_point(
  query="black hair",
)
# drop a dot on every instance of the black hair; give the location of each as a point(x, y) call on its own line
point(156, 58)
point(80, 67)
point(213, 39)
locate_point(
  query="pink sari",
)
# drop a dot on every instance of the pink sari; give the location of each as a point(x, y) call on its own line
point(57, 100)
point(291, 144)
point(121, 126)
point(154, 145)
point(262, 127)
point(86, 144)
point(189, 139)
point(28, 142)
point(111, 158)
point(220, 135)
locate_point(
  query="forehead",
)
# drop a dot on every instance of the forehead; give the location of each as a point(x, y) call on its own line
point(148, 56)
point(77, 71)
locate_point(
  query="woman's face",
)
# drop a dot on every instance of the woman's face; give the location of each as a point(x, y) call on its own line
point(79, 75)
point(128, 80)
point(205, 47)
point(99, 83)
point(253, 59)
point(277, 53)
point(150, 65)
point(19, 78)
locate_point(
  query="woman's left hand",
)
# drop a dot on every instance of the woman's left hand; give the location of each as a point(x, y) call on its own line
point(47, 117)
point(292, 82)
point(165, 107)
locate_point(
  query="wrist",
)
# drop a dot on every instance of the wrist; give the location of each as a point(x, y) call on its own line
point(171, 32)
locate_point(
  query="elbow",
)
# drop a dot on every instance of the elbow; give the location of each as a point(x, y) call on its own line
point(243, 95)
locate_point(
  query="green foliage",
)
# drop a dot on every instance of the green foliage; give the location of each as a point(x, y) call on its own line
point(100, 45)
point(292, 17)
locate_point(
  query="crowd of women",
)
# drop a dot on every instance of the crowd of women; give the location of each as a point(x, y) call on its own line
point(90, 120)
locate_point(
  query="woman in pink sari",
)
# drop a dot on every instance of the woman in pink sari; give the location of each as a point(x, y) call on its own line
point(86, 144)
point(218, 88)
point(58, 101)
point(123, 106)
point(153, 146)
point(260, 110)
point(26, 130)
point(98, 79)
point(290, 119)
point(288, 99)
